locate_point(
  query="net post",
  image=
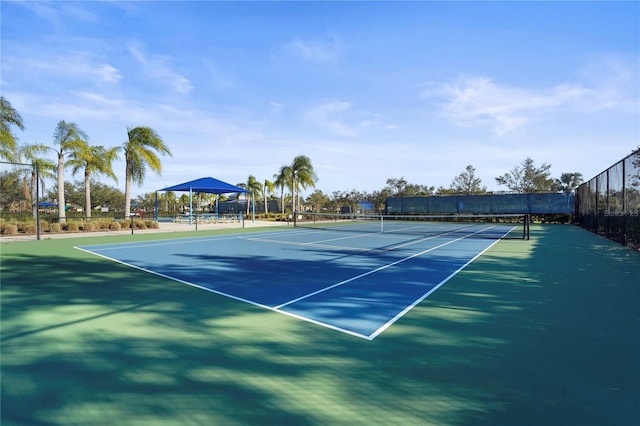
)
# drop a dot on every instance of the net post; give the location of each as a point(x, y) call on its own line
point(381, 223)
point(38, 230)
point(525, 228)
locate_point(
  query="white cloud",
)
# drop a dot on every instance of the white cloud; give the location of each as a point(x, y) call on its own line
point(318, 51)
point(275, 108)
point(340, 118)
point(60, 14)
point(477, 101)
point(324, 116)
point(157, 67)
point(217, 78)
point(78, 65)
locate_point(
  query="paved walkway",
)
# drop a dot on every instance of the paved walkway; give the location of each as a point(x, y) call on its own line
point(164, 227)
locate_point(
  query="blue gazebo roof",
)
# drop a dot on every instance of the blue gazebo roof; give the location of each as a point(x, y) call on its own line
point(207, 185)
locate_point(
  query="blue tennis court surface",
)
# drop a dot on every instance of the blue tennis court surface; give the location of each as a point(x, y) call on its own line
point(358, 283)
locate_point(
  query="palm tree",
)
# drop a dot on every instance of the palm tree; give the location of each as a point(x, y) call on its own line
point(302, 176)
point(139, 152)
point(267, 188)
point(43, 168)
point(8, 117)
point(570, 181)
point(184, 201)
point(69, 139)
point(252, 185)
point(93, 160)
point(282, 180)
point(170, 201)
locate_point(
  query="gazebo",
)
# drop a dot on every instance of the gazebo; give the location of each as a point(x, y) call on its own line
point(206, 185)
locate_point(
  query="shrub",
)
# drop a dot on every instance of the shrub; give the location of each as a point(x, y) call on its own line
point(152, 224)
point(30, 228)
point(138, 224)
point(10, 230)
point(114, 226)
point(88, 226)
point(44, 225)
point(55, 228)
point(72, 226)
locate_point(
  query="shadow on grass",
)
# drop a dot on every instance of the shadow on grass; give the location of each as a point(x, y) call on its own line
point(538, 332)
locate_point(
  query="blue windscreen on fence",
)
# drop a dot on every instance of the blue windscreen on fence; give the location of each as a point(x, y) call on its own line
point(537, 203)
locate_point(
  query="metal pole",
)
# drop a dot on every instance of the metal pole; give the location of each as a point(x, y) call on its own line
point(37, 201)
point(155, 212)
point(190, 206)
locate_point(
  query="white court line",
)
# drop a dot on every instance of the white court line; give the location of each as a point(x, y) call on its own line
point(300, 317)
point(176, 241)
point(358, 249)
point(437, 286)
point(177, 279)
point(378, 269)
point(231, 296)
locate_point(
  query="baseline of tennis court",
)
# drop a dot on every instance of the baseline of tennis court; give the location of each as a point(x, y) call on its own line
point(356, 283)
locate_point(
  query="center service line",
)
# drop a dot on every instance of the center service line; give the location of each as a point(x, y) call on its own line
point(378, 269)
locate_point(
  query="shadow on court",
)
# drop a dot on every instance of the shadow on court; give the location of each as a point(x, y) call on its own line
point(539, 332)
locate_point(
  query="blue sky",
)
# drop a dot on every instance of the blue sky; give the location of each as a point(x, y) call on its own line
point(367, 90)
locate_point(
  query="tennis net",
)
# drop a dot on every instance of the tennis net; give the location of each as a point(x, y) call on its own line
point(482, 226)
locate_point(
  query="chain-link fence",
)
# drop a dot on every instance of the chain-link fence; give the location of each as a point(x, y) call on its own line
point(609, 204)
point(19, 199)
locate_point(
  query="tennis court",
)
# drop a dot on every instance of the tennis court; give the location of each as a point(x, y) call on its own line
point(350, 276)
point(531, 332)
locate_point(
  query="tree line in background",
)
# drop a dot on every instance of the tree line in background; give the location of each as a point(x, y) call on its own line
point(142, 150)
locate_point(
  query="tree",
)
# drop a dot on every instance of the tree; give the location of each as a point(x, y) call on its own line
point(379, 198)
point(399, 185)
point(106, 196)
point(302, 176)
point(570, 181)
point(282, 180)
point(92, 160)
point(405, 189)
point(466, 183)
point(69, 139)
point(140, 152)
point(317, 200)
point(8, 117)
point(170, 201)
point(252, 185)
point(45, 169)
point(146, 202)
point(184, 202)
point(527, 178)
point(634, 179)
point(267, 188)
point(11, 191)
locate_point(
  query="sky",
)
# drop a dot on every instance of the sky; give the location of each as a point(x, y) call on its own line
point(367, 90)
